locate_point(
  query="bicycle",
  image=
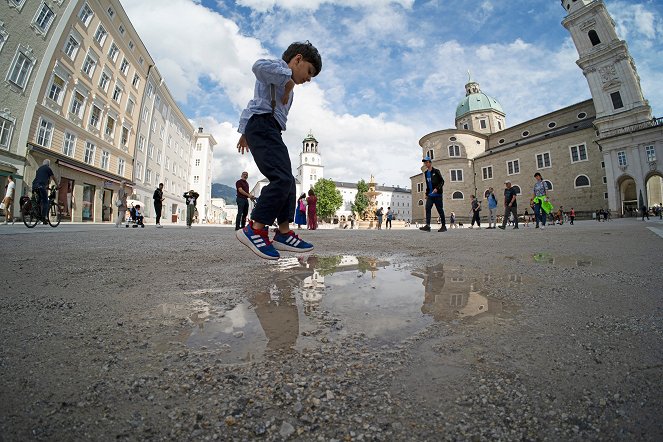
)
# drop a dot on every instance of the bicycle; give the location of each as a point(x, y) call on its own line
point(31, 210)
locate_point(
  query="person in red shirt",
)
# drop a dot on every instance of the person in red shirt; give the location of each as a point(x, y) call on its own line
point(243, 197)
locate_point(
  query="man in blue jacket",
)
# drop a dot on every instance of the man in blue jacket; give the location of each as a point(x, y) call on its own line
point(434, 185)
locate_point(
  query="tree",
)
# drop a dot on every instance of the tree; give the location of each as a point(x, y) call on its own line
point(361, 200)
point(329, 198)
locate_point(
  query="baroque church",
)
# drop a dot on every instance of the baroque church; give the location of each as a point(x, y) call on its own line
point(599, 153)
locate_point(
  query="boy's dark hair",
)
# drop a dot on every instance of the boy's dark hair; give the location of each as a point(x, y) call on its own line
point(308, 51)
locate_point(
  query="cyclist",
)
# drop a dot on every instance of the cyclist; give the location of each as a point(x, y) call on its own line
point(42, 179)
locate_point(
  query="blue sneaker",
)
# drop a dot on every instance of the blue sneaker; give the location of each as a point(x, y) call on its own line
point(290, 242)
point(257, 241)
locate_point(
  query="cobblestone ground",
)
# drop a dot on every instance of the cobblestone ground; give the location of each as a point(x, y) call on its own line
point(99, 330)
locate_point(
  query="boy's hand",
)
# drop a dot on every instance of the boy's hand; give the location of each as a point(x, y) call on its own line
point(289, 86)
point(242, 145)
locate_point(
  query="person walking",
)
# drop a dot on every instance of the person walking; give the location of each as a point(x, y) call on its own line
point(644, 212)
point(492, 209)
point(261, 124)
point(300, 214)
point(510, 205)
point(121, 204)
point(8, 200)
point(191, 197)
point(434, 187)
point(539, 198)
point(452, 221)
point(379, 214)
point(158, 203)
point(475, 211)
point(311, 215)
point(43, 178)
point(390, 217)
point(243, 197)
point(572, 216)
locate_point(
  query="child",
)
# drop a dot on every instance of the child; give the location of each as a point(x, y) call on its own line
point(261, 124)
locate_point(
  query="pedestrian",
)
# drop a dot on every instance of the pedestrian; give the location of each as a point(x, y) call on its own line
point(242, 199)
point(311, 208)
point(644, 212)
point(492, 209)
point(510, 205)
point(43, 178)
point(8, 200)
point(121, 204)
point(660, 211)
point(191, 197)
point(390, 217)
point(572, 215)
point(261, 124)
point(452, 221)
point(434, 188)
point(475, 211)
point(158, 203)
point(560, 215)
point(300, 214)
point(539, 199)
point(379, 214)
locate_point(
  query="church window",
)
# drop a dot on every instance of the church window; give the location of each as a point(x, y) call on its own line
point(499, 125)
point(582, 181)
point(501, 141)
point(452, 138)
point(578, 153)
point(456, 174)
point(581, 115)
point(420, 187)
point(513, 167)
point(517, 190)
point(552, 124)
point(457, 196)
point(487, 172)
point(525, 133)
point(543, 160)
point(651, 153)
point(454, 150)
point(466, 126)
point(420, 203)
point(594, 37)
point(430, 154)
point(548, 184)
point(482, 124)
point(621, 158)
point(605, 180)
point(616, 100)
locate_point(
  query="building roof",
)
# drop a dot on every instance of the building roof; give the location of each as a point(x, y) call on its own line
point(475, 100)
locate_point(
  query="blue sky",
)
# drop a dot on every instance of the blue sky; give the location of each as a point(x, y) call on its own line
point(393, 71)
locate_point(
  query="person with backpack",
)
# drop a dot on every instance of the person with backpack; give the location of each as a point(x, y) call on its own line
point(492, 209)
point(379, 213)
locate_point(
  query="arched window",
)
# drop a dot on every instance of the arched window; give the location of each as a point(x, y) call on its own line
point(582, 181)
point(549, 185)
point(430, 154)
point(420, 203)
point(517, 189)
point(457, 196)
point(594, 37)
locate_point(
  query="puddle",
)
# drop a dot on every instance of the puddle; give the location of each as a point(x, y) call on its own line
point(564, 261)
point(320, 299)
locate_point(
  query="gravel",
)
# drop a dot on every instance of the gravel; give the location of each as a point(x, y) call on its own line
point(87, 355)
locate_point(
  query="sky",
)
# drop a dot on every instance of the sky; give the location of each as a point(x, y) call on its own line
point(392, 71)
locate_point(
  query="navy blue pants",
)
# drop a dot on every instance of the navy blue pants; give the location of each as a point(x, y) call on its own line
point(277, 199)
point(437, 202)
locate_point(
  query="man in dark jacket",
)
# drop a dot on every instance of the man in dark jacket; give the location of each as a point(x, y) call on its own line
point(191, 198)
point(434, 184)
point(43, 178)
point(158, 202)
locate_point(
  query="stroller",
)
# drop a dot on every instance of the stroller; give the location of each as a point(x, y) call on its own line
point(135, 218)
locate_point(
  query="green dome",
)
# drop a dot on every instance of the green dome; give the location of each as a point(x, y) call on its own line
point(477, 102)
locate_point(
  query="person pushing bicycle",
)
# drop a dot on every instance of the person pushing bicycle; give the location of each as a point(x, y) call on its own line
point(43, 178)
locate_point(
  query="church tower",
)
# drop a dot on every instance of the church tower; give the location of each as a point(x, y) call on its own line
point(310, 168)
point(607, 64)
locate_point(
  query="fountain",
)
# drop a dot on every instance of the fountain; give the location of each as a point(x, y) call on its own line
point(368, 218)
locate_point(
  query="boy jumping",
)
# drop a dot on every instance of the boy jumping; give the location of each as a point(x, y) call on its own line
point(261, 124)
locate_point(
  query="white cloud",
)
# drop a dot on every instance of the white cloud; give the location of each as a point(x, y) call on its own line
point(310, 5)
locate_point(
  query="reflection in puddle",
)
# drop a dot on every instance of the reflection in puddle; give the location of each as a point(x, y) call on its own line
point(319, 299)
point(565, 261)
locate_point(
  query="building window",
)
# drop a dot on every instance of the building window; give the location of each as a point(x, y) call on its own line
point(86, 14)
point(159, 156)
point(121, 29)
point(44, 18)
point(466, 126)
point(110, 11)
point(456, 174)
point(88, 66)
point(605, 180)
point(457, 196)
point(105, 159)
point(516, 189)
point(104, 80)
point(131, 45)
point(420, 187)
point(148, 176)
point(44, 133)
point(130, 106)
point(197, 162)
point(621, 158)
point(77, 101)
point(525, 133)
point(71, 47)
point(582, 115)
point(196, 179)
point(120, 166)
point(651, 153)
point(3, 37)
point(482, 124)
point(113, 51)
point(124, 67)
point(487, 172)
point(548, 184)
point(136, 81)
point(552, 124)
point(88, 156)
point(69, 144)
point(513, 167)
point(420, 202)
point(199, 146)
point(430, 153)
point(55, 91)
point(100, 35)
point(20, 70)
point(616, 100)
point(95, 116)
point(594, 37)
point(5, 132)
point(110, 126)
point(454, 150)
point(578, 153)
point(117, 93)
point(141, 143)
point(125, 137)
point(150, 150)
point(139, 170)
point(581, 181)
point(499, 125)
point(146, 114)
point(543, 160)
